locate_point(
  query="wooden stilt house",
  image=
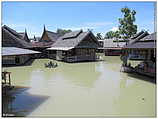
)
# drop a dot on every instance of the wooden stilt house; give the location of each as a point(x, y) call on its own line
point(16, 56)
point(75, 46)
point(144, 50)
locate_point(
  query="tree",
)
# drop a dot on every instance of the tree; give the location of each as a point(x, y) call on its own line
point(112, 34)
point(117, 34)
point(127, 27)
point(63, 31)
point(99, 36)
point(109, 34)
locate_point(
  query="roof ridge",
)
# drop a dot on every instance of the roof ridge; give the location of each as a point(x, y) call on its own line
point(10, 30)
point(51, 32)
point(22, 42)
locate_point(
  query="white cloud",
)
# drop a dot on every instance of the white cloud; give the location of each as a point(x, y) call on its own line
point(19, 26)
point(90, 25)
point(114, 29)
point(98, 24)
point(85, 28)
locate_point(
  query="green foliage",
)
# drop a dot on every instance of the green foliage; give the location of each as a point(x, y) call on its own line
point(99, 36)
point(127, 27)
point(112, 34)
point(63, 31)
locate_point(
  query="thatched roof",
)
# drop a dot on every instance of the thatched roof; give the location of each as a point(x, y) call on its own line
point(73, 40)
point(149, 38)
point(41, 44)
point(51, 35)
point(10, 38)
point(21, 35)
point(147, 42)
point(141, 45)
point(138, 36)
point(35, 39)
point(109, 43)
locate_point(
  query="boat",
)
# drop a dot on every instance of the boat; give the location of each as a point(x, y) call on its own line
point(51, 65)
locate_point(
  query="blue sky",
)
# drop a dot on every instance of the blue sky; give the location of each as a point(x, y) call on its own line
point(99, 16)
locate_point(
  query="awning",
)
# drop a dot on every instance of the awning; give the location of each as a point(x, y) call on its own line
point(9, 51)
point(60, 48)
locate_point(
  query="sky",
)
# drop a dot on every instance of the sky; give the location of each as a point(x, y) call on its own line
point(99, 16)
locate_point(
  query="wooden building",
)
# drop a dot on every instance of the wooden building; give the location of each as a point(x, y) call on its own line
point(75, 46)
point(11, 38)
point(16, 56)
point(47, 39)
point(113, 47)
point(144, 50)
point(49, 36)
point(101, 46)
point(35, 39)
point(24, 36)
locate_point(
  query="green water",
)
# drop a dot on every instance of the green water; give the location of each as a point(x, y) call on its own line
point(88, 89)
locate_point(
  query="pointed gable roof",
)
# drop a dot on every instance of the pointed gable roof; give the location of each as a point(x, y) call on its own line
point(151, 37)
point(73, 39)
point(10, 38)
point(148, 41)
point(139, 36)
point(51, 35)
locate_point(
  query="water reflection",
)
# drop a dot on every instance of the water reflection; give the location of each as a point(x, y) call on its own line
point(20, 103)
point(134, 98)
point(81, 89)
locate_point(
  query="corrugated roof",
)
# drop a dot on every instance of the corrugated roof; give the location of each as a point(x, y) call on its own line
point(9, 51)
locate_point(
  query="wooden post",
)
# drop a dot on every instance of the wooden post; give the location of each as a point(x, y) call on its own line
point(5, 78)
point(9, 79)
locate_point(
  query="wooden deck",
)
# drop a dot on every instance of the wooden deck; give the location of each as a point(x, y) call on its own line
point(143, 72)
point(128, 69)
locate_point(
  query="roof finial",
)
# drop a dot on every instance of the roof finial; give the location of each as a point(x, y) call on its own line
point(34, 38)
point(44, 28)
point(25, 30)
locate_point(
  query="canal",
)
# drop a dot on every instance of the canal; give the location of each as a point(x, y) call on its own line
point(88, 89)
